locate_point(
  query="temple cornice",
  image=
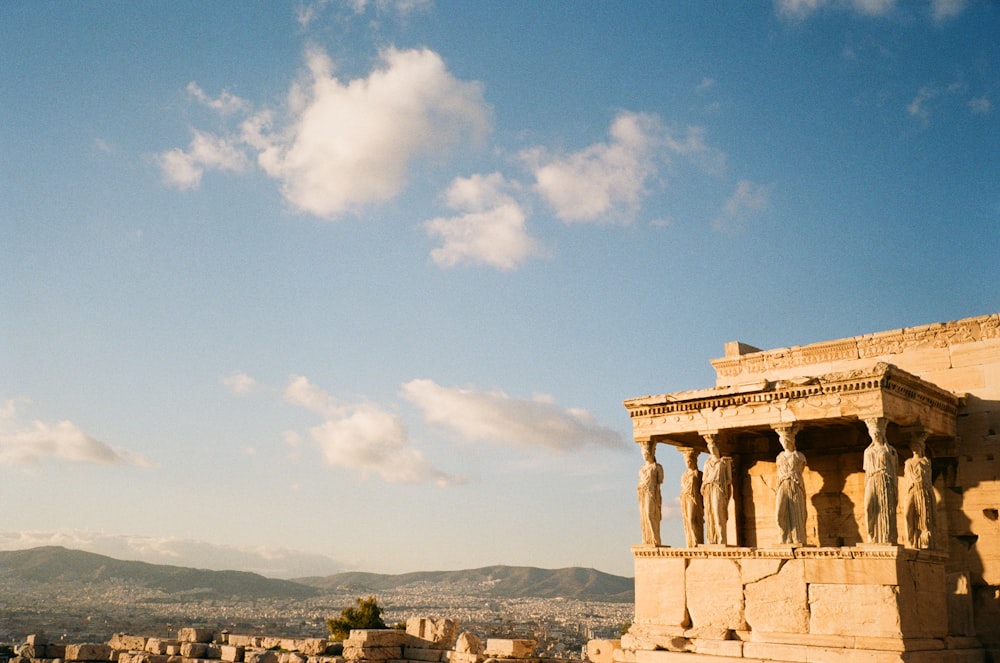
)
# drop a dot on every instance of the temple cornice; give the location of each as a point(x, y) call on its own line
point(880, 390)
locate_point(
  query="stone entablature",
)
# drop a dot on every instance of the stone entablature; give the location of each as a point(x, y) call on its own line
point(747, 366)
point(881, 390)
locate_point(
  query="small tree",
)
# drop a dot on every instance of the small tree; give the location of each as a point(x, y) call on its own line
point(365, 614)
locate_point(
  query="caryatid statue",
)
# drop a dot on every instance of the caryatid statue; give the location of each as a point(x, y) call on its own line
point(691, 507)
point(650, 503)
point(918, 503)
point(881, 492)
point(790, 498)
point(716, 489)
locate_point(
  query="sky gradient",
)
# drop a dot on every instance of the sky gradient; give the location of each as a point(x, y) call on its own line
point(307, 287)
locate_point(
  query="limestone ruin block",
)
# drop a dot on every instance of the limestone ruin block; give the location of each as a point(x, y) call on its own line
point(126, 642)
point(312, 646)
point(231, 653)
point(462, 657)
point(422, 654)
point(28, 650)
point(193, 649)
point(88, 652)
point(192, 634)
point(386, 653)
point(159, 645)
point(260, 656)
point(433, 633)
point(503, 648)
point(291, 657)
point(142, 657)
point(36, 639)
point(600, 651)
point(468, 643)
point(245, 640)
point(375, 637)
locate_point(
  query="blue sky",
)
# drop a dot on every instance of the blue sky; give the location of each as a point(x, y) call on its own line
point(303, 287)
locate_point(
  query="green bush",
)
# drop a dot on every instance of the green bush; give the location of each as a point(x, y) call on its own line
point(366, 613)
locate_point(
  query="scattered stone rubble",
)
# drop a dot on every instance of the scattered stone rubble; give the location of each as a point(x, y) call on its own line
point(424, 641)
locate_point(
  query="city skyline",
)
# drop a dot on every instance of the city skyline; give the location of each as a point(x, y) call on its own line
point(320, 286)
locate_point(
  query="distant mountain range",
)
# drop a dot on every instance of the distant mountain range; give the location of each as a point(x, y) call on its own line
point(55, 565)
point(491, 581)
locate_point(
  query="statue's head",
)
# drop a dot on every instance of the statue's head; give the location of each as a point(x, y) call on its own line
point(786, 436)
point(649, 452)
point(876, 429)
point(713, 446)
point(691, 457)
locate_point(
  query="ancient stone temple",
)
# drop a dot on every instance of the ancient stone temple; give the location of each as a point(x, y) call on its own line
point(846, 509)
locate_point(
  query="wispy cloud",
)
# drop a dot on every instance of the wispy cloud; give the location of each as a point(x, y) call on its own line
point(240, 383)
point(747, 200)
point(800, 9)
point(363, 437)
point(496, 417)
point(183, 169)
point(24, 442)
point(603, 179)
point(980, 105)
point(224, 104)
point(940, 10)
point(490, 229)
point(919, 107)
point(268, 561)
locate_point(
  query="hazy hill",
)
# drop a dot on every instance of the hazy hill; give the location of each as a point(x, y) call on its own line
point(55, 564)
point(493, 581)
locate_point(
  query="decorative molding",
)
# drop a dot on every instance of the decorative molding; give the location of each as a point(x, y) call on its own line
point(861, 552)
point(868, 346)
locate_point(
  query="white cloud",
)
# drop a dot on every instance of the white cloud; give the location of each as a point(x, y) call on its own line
point(350, 144)
point(498, 418)
point(225, 103)
point(362, 437)
point(603, 178)
point(490, 230)
point(268, 561)
point(980, 105)
point(800, 9)
point(919, 107)
point(705, 85)
point(401, 7)
point(184, 168)
point(747, 200)
point(942, 10)
point(240, 383)
point(30, 443)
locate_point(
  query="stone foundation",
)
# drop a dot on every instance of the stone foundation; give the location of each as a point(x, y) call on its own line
point(872, 603)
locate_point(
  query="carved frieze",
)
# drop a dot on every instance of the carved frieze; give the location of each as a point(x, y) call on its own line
point(878, 390)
